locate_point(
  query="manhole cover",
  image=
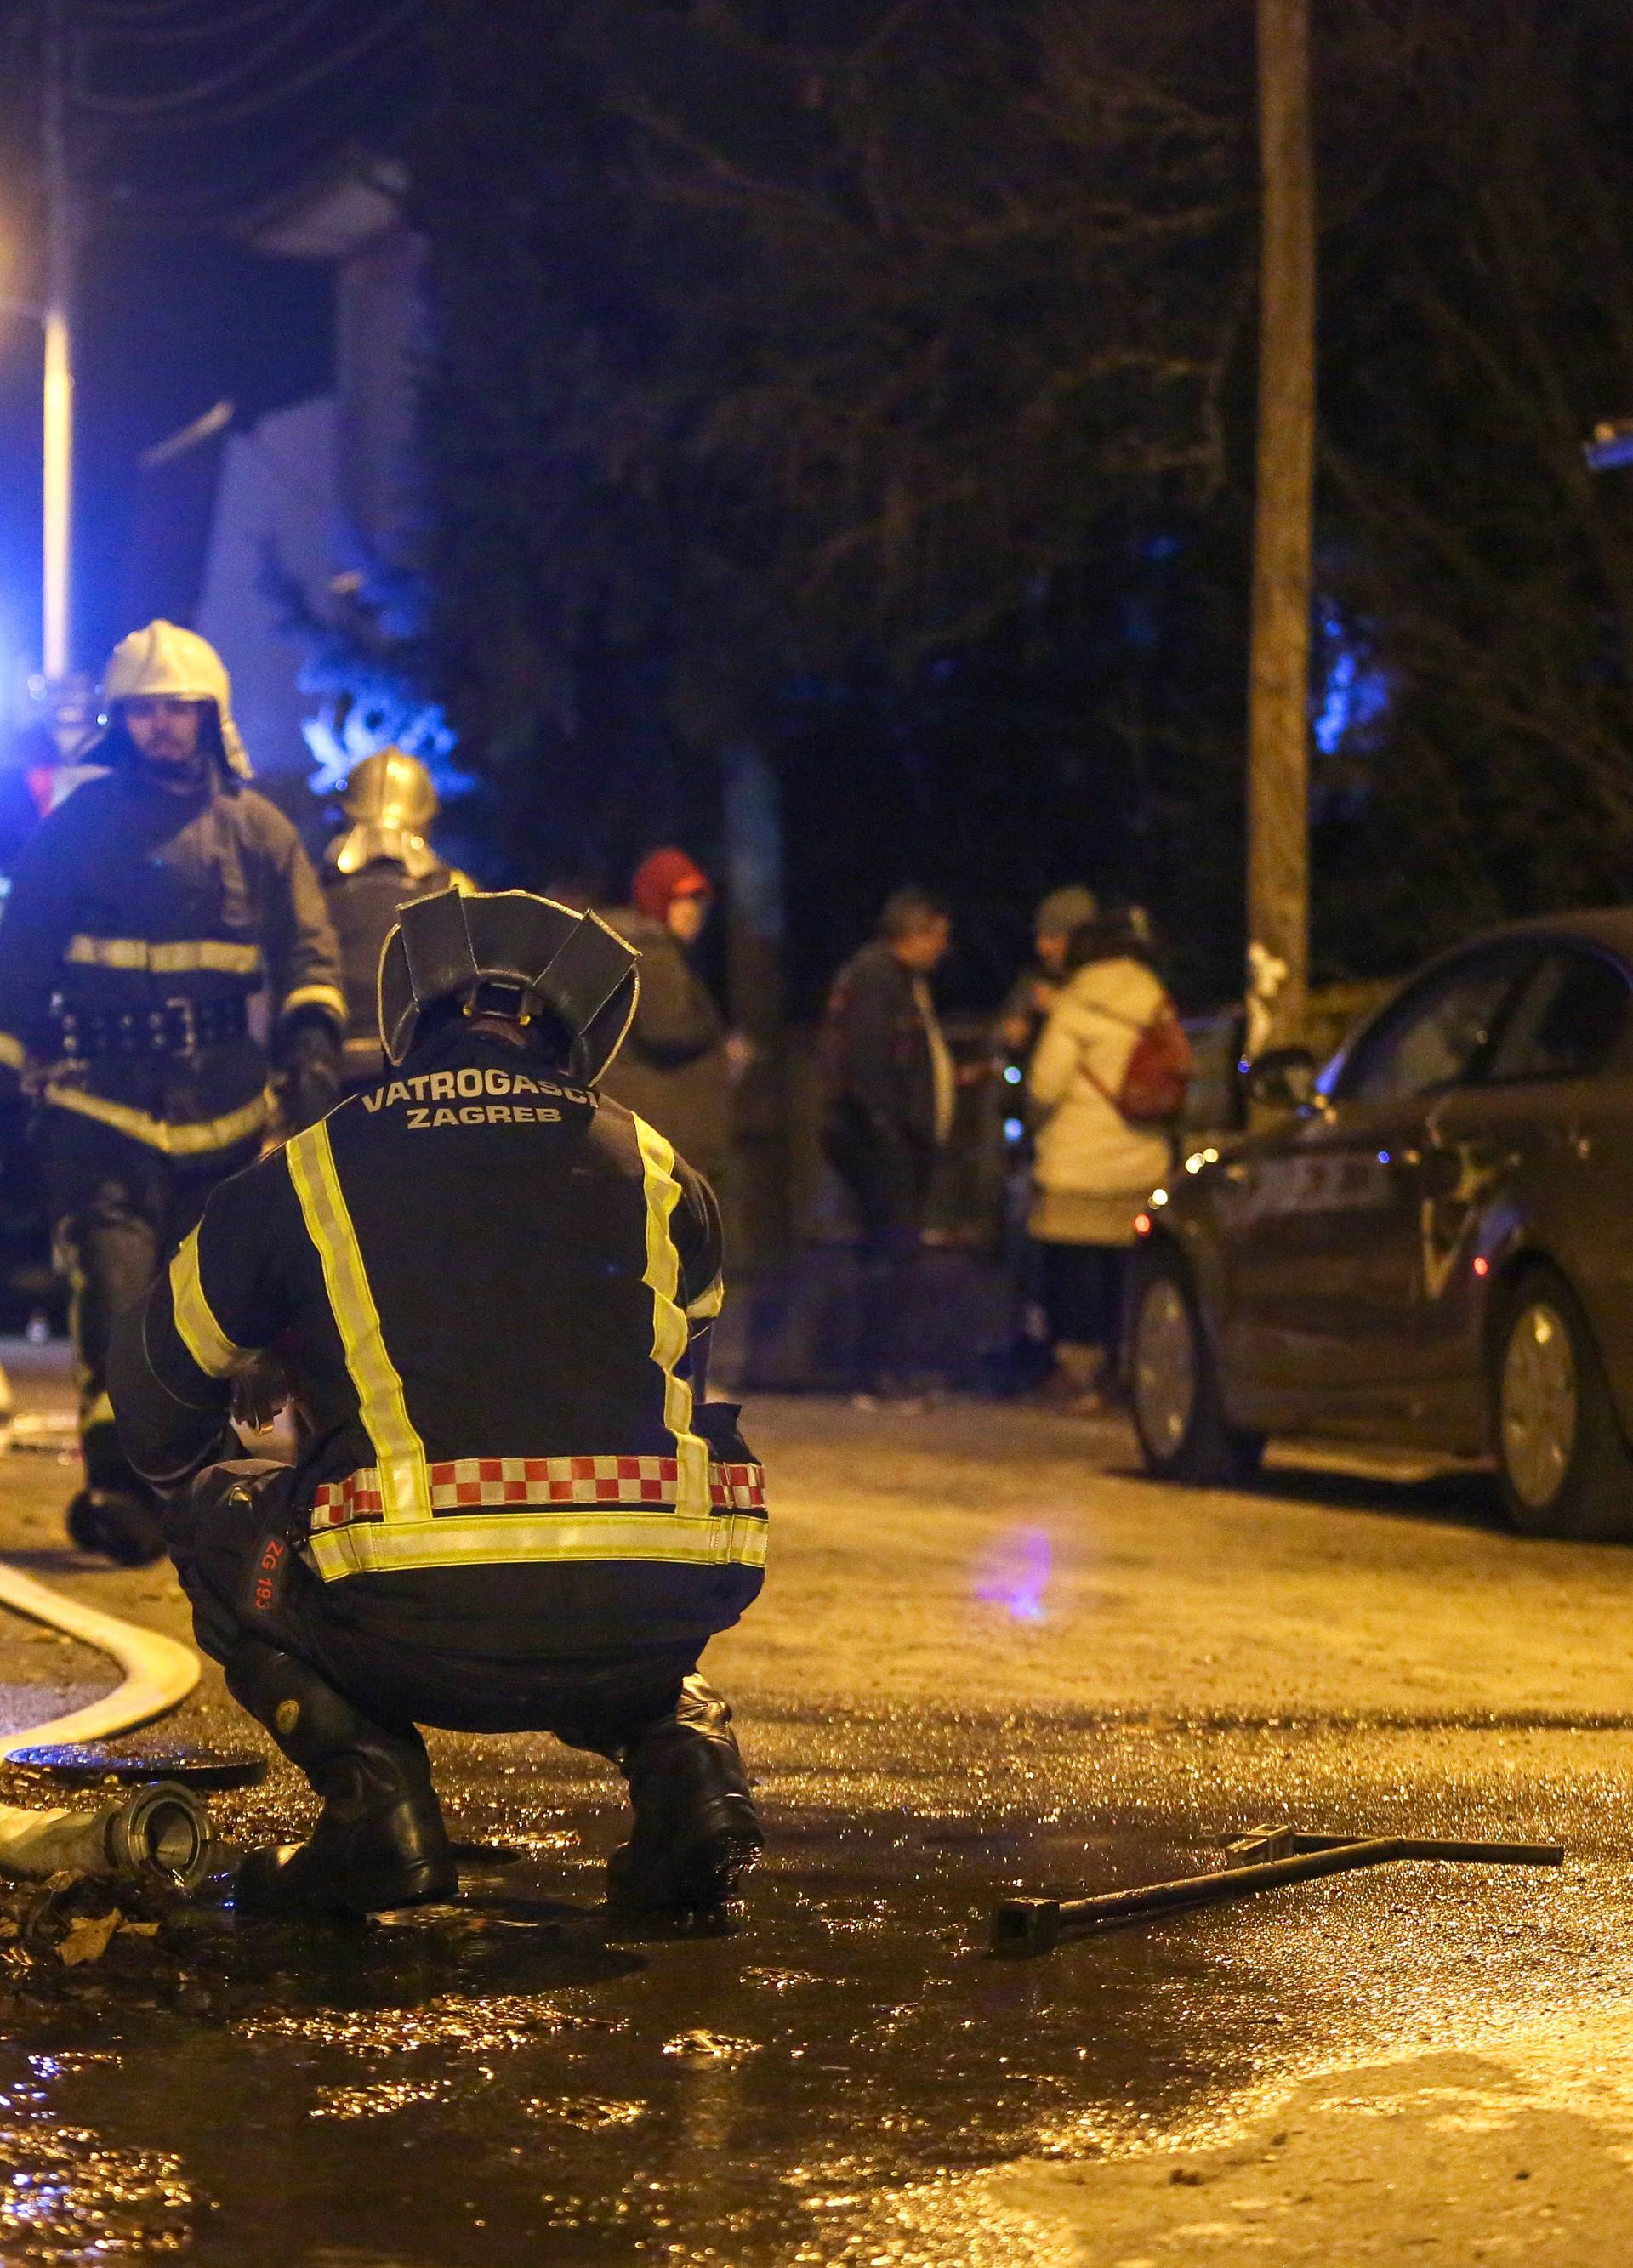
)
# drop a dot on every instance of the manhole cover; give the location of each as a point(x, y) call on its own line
point(89, 1765)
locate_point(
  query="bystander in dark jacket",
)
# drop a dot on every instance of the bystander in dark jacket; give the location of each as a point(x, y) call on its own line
point(1027, 1003)
point(675, 1068)
point(889, 1094)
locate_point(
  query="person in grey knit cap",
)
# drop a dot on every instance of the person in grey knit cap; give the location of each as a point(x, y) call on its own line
point(1034, 991)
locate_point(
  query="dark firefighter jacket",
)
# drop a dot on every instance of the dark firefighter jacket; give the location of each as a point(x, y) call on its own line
point(484, 1282)
point(363, 909)
point(131, 905)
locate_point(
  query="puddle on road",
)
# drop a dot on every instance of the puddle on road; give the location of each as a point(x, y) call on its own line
point(66, 2195)
point(513, 2080)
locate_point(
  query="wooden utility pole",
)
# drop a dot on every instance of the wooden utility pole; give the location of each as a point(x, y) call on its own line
point(1278, 815)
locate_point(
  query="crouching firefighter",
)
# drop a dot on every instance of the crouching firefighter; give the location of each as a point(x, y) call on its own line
point(144, 914)
point(489, 1289)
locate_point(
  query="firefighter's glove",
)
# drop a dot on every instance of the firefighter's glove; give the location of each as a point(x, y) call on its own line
point(260, 1394)
point(309, 1085)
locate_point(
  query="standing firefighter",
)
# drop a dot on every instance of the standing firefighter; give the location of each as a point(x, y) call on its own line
point(148, 909)
point(378, 863)
point(489, 1291)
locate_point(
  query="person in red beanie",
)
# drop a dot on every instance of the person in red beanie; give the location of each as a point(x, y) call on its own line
point(672, 888)
point(674, 1070)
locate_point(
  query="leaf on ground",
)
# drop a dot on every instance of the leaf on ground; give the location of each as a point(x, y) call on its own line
point(139, 1928)
point(87, 1938)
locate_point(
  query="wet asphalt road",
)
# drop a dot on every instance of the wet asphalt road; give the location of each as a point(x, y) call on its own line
point(989, 1658)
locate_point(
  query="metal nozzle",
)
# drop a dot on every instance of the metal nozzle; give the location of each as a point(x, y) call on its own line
point(162, 1831)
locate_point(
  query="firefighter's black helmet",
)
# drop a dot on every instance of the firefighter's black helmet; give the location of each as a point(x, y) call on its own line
point(506, 953)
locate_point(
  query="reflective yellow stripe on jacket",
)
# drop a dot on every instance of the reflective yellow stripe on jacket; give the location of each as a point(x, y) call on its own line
point(671, 1335)
point(181, 958)
point(191, 1139)
point(398, 1449)
point(99, 1411)
point(200, 1333)
point(473, 1539)
point(707, 1304)
point(316, 996)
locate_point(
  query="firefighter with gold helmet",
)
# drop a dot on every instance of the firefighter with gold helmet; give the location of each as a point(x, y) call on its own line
point(378, 863)
point(490, 1291)
point(146, 913)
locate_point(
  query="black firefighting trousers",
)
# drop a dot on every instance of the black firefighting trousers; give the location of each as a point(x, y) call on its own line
point(118, 1212)
point(229, 1535)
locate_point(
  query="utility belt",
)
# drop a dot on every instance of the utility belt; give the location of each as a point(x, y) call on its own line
point(175, 1028)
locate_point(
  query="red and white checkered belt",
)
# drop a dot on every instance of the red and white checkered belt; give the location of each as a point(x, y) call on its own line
point(478, 1483)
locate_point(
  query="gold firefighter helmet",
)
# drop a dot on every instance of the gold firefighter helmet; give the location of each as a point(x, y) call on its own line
point(507, 952)
point(163, 659)
point(390, 800)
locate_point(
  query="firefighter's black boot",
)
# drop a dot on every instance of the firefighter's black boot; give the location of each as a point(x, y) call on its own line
point(379, 1840)
point(123, 1526)
point(115, 1512)
point(696, 1831)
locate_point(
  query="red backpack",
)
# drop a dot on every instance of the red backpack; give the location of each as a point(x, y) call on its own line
point(1159, 1072)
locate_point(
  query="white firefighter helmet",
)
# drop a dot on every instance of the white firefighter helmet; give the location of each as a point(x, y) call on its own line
point(507, 952)
point(391, 799)
point(164, 658)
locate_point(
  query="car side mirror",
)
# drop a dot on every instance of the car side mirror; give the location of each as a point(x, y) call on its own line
point(1282, 1078)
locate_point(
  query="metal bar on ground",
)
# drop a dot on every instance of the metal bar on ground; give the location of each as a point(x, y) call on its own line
point(1479, 1854)
point(1034, 1925)
point(1281, 1842)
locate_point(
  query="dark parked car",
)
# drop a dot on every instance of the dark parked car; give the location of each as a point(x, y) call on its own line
point(1434, 1248)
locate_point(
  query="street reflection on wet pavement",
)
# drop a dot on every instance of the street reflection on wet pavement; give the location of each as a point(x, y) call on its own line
point(513, 2079)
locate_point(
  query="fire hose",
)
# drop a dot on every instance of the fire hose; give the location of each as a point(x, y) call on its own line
point(160, 1832)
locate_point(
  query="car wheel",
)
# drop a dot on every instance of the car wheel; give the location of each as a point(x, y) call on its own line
point(1174, 1387)
point(1562, 1463)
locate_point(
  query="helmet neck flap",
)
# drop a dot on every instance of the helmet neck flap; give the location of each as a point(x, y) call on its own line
point(370, 843)
point(506, 953)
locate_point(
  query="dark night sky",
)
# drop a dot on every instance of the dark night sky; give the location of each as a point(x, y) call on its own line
point(176, 310)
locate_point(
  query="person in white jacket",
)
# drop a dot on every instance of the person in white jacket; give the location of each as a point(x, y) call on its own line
point(1094, 1169)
